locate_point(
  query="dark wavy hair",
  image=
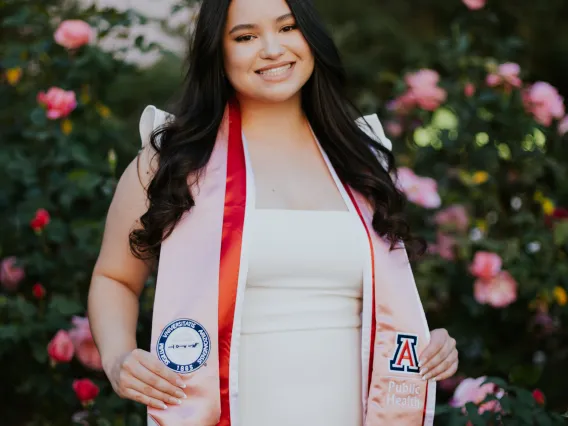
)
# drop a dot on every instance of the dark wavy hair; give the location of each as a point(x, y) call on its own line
point(185, 144)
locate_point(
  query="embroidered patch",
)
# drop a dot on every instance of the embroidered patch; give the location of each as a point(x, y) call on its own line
point(404, 358)
point(183, 346)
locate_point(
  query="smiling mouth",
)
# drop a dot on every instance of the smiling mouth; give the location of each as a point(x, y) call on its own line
point(274, 72)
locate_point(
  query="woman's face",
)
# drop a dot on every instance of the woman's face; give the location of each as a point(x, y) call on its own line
point(266, 55)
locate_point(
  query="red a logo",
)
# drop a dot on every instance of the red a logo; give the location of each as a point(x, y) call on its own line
point(404, 358)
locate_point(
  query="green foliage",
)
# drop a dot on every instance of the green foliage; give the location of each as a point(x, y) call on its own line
point(488, 154)
point(67, 166)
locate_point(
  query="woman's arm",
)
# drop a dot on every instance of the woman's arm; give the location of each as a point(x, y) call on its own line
point(117, 281)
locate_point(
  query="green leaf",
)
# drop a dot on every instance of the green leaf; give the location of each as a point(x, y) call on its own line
point(8, 332)
point(38, 117)
point(65, 306)
point(498, 381)
point(542, 419)
point(473, 414)
point(39, 353)
point(561, 233)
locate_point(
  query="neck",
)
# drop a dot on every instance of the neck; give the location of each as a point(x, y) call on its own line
point(276, 122)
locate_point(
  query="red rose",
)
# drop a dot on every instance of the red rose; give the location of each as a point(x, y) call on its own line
point(38, 291)
point(538, 396)
point(61, 348)
point(85, 390)
point(559, 213)
point(40, 220)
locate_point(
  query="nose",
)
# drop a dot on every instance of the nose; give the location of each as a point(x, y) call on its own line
point(271, 49)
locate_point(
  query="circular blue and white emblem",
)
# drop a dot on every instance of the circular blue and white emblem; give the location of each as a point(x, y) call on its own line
point(183, 346)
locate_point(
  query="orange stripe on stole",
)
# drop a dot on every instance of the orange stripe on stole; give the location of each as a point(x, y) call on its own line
point(231, 244)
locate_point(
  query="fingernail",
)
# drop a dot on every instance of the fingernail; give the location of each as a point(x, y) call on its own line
point(178, 401)
point(165, 407)
point(424, 370)
point(180, 384)
point(426, 377)
point(180, 394)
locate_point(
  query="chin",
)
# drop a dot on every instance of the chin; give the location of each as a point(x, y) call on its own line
point(277, 96)
point(277, 93)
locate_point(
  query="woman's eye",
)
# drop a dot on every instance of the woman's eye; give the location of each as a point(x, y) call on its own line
point(244, 38)
point(288, 28)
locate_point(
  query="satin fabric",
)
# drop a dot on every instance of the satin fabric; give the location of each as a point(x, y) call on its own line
point(200, 289)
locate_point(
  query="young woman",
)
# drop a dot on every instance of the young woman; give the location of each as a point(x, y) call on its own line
point(284, 295)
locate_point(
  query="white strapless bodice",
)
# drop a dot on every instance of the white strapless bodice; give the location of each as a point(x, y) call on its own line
point(300, 352)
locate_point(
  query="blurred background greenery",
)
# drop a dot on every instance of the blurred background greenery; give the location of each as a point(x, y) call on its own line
point(487, 152)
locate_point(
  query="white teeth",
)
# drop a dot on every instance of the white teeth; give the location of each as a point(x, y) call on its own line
point(277, 71)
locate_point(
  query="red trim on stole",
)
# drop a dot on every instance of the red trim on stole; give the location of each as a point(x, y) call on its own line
point(374, 314)
point(425, 405)
point(233, 222)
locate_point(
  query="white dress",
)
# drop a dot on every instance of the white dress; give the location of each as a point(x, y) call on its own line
point(300, 353)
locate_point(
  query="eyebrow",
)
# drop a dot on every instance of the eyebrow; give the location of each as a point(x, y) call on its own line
point(253, 26)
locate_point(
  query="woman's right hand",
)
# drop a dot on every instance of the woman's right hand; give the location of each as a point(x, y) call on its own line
point(141, 377)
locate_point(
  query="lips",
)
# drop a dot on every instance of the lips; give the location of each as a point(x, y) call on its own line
point(275, 69)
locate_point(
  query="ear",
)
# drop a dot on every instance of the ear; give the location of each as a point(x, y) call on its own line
point(372, 126)
point(150, 119)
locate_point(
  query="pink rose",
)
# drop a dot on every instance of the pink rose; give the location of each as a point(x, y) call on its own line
point(73, 33)
point(421, 78)
point(444, 247)
point(469, 90)
point(485, 265)
point(419, 190)
point(474, 4)
point(60, 103)
point(544, 102)
point(61, 349)
point(453, 217)
point(423, 87)
point(499, 291)
point(84, 344)
point(563, 126)
point(85, 390)
point(403, 104)
point(472, 390)
point(393, 128)
point(507, 75)
point(11, 274)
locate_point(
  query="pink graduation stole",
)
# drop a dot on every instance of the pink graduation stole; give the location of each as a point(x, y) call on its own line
point(200, 290)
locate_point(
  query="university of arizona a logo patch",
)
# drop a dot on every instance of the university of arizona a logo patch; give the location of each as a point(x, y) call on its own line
point(405, 358)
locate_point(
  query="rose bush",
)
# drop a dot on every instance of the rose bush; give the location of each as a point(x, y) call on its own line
point(61, 147)
point(489, 142)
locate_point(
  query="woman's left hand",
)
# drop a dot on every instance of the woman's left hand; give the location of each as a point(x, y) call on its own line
point(440, 358)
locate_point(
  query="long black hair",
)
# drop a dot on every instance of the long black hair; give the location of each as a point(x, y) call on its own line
point(185, 145)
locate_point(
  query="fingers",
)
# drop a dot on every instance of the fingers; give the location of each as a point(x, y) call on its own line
point(432, 367)
point(151, 379)
point(443, 369)
point(153, 393)
point(437, 339)
point(144, 399)
point(143, 380)
point(449, 372)
point(152, 364)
